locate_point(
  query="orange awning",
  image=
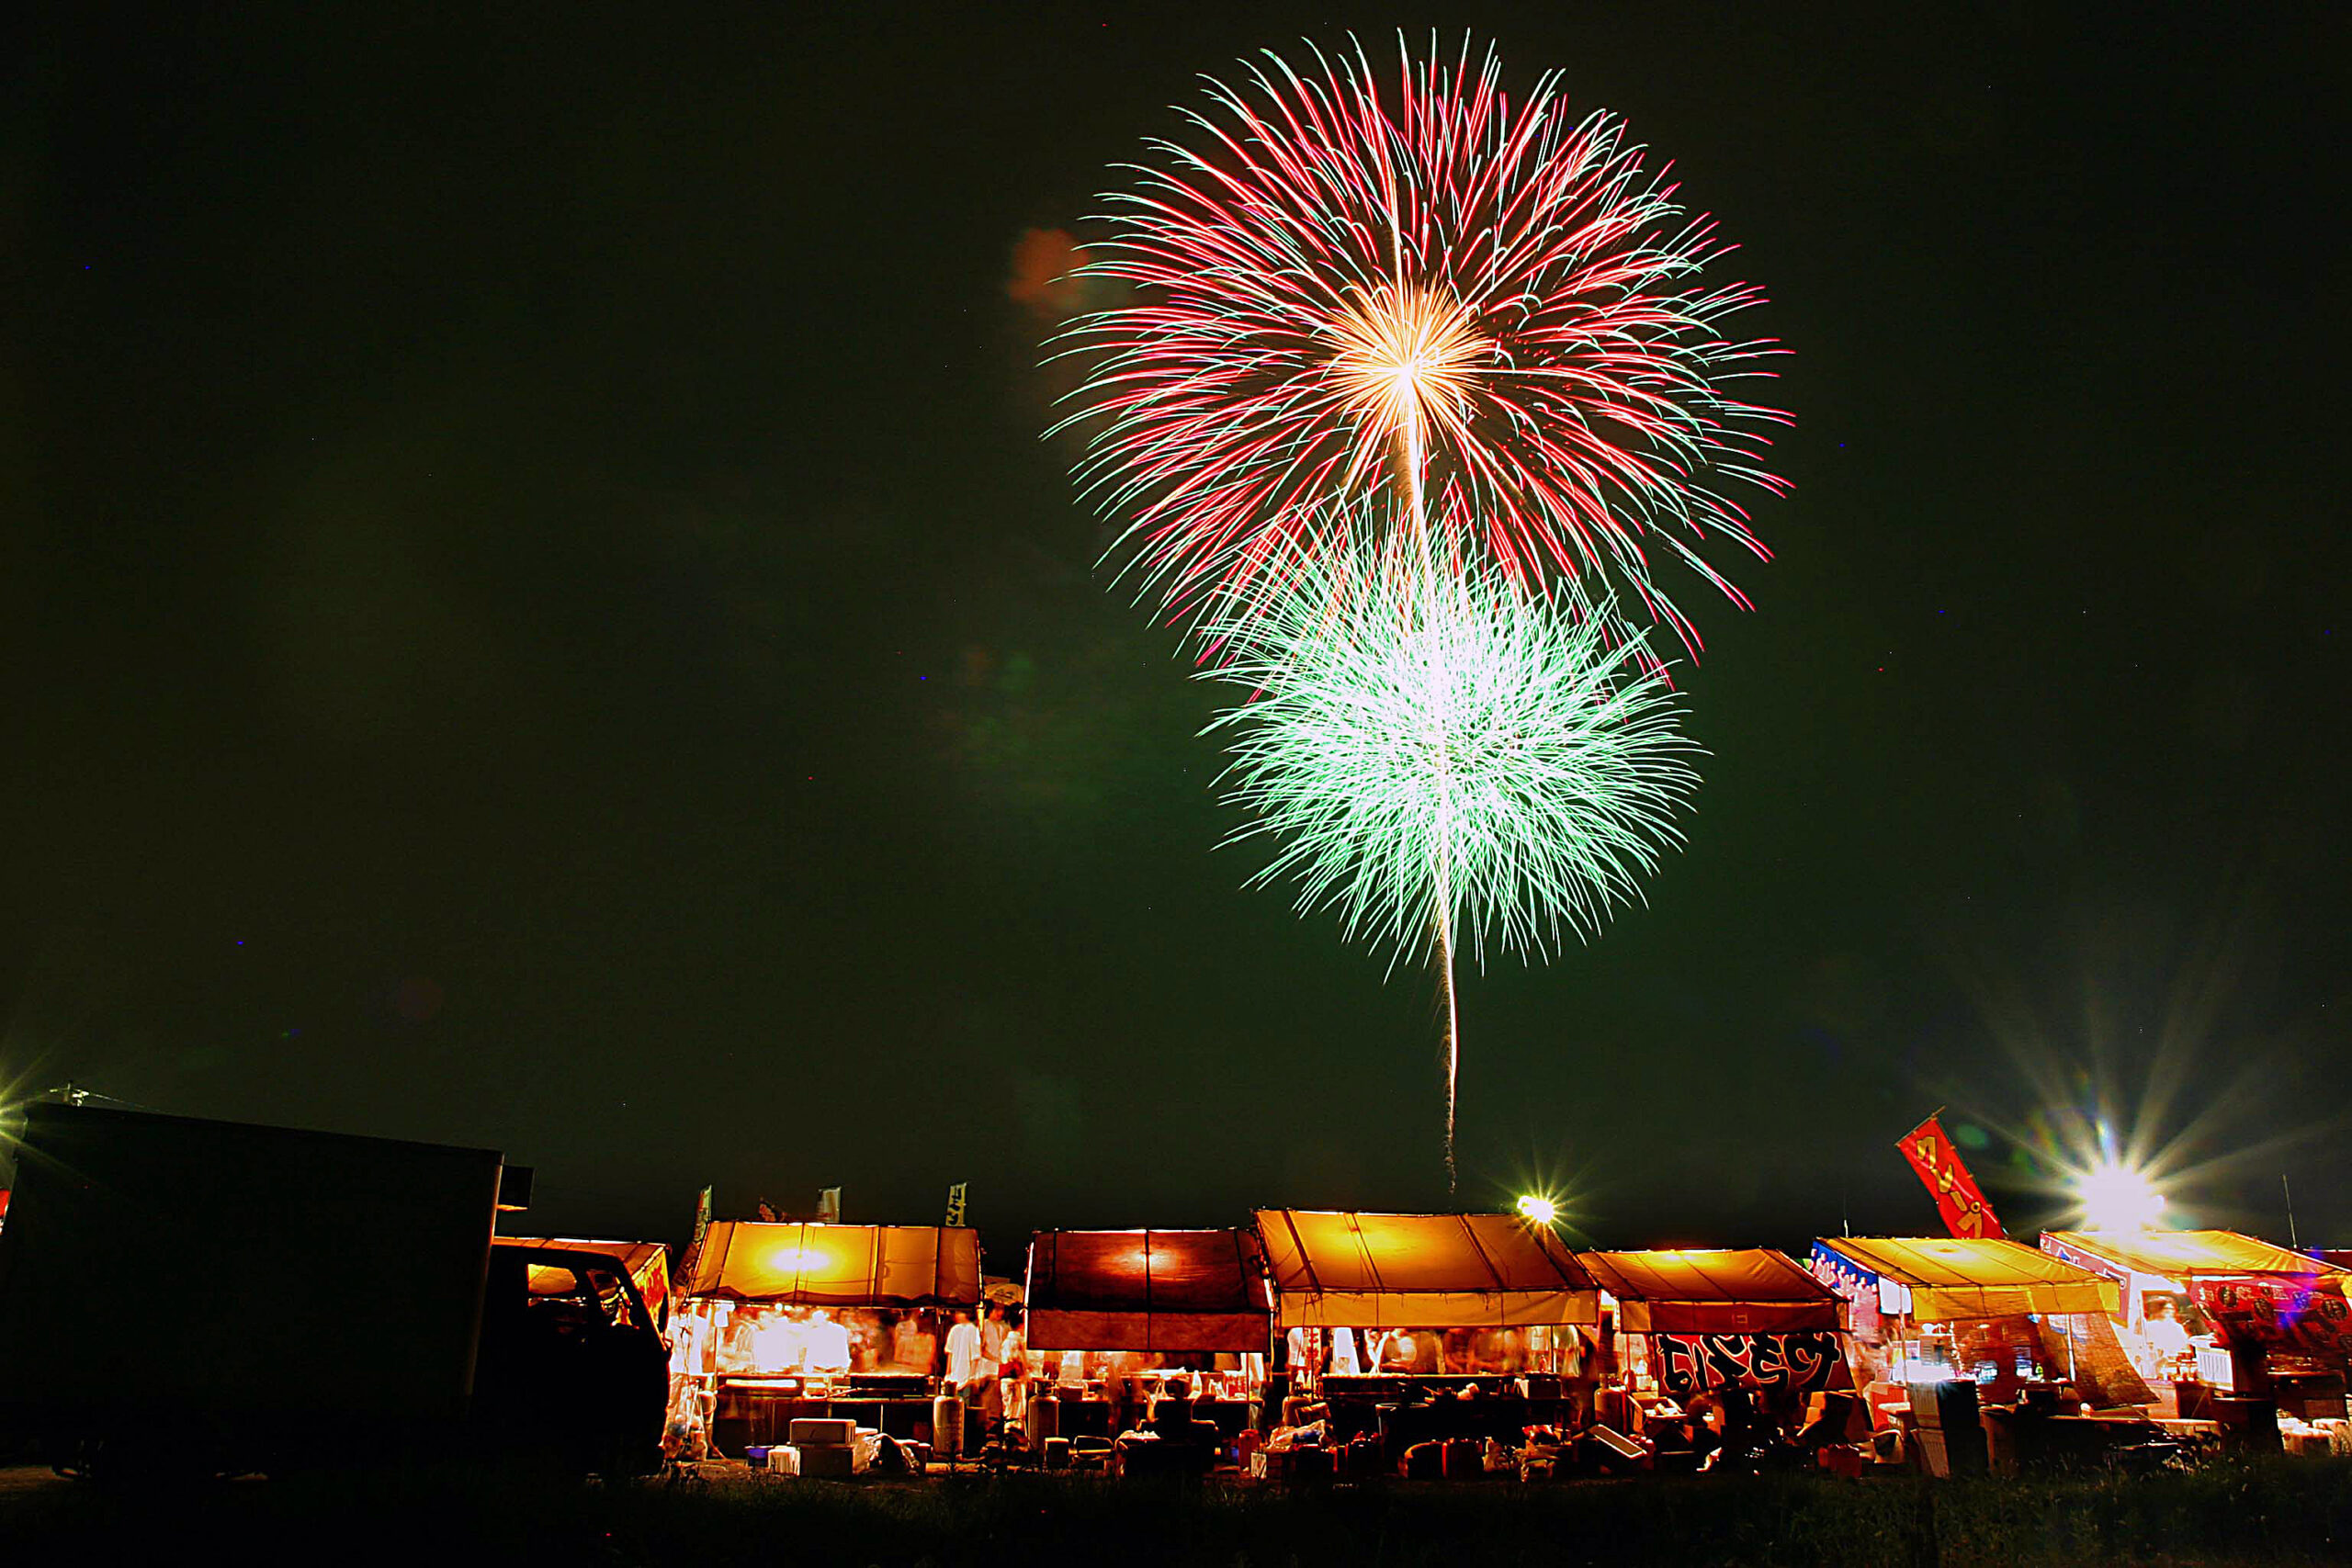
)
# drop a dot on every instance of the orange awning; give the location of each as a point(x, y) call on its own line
point(1146, 1291)
point(2179, 1255)
point(814, 1265)
point(1354, 1270)
point(1756, 1290)
point(1967, 1277)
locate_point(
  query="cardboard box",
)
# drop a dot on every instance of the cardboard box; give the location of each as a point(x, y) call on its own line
point(828, 1461)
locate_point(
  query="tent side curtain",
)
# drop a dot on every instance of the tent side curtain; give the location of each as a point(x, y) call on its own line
point(2181, 1253)
point(1969, 1277)
point(818, 1265)
point(1756, 1290)
point(1146, 1291)
point(1356, 1271)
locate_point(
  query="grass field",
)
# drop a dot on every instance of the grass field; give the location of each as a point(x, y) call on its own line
point(2277, 1512)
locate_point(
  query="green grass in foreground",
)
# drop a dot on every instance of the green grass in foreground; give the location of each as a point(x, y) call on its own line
point(2277, 1512)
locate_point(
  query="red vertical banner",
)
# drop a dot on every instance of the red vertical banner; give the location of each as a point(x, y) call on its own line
point(1958, 1200)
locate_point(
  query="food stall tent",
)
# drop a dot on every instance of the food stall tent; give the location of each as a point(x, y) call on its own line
point(779, 1320)
point(1119, 1316)
point(1924, 1309)
point(1705, 1318)
point(2251, 1306)
point(1467, 1312)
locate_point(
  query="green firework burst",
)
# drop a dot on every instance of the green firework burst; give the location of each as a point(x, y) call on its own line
point(1436, 750)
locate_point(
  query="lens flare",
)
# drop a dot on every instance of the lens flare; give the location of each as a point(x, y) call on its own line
point(2118, 1197)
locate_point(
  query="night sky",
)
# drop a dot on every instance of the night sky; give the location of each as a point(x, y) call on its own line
point(535, 612)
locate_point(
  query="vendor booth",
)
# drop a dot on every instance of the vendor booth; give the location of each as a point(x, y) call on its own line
point(1684, 1329)
point(1123, 1324)
point(778, 1321)
point(1694, 1320)
point(1926, 1309)
point(2205, 1313)
point(1971, 1340)
point(648, 1263)
point(1426, 1324)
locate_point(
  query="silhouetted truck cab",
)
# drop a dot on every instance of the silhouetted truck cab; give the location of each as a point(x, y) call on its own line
point(206, 1297)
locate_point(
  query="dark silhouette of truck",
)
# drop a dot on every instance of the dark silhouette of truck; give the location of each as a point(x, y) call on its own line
point(180, 1296)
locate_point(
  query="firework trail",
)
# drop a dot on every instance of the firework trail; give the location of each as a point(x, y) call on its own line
point(1351, 279)
point(1439, 751)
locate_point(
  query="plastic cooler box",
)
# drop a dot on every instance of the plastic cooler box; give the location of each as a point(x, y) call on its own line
point(806, 1429)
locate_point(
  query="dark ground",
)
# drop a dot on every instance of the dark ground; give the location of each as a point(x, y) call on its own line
point(2282, 1512)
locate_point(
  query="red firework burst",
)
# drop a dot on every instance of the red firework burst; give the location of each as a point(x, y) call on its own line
point(1490, 304)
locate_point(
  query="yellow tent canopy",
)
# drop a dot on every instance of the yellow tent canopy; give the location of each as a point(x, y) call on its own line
point(2179, 1255)
point(815, 1265)
point(1354, 1270)
point(1754, 1291)
point(1962, 1277)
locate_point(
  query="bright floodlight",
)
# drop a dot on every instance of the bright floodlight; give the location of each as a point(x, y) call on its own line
point(2116, 1197)
point(1541, 1211)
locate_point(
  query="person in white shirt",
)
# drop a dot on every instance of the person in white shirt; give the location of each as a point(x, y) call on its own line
point(963, 1354)
point(1014, 1356)
point(825, 1344)
point(1305, 1360)
point(1344, 1353)
point(2165, 1336)
point(782, 1345)
point(989, 1370)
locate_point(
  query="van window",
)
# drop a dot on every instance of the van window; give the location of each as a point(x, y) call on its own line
point(550, 1279)
point(557, 1303)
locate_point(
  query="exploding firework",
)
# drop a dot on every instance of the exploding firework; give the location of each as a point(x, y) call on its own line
point(1491, 304)
point(1439, 751)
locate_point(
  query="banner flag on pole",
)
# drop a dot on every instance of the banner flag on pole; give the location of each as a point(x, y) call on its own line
point(702, 1228)
point(1958, 1197)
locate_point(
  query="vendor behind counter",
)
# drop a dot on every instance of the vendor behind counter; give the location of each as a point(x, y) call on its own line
point(777, 1320)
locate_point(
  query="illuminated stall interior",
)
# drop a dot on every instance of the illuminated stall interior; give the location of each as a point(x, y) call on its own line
point(1371, 1305)
point(1690, 1320)
point(1925, 1309)
point(2188, 1299)
point(1121, 1318)
point(784, 1320)
point(648, 1263)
